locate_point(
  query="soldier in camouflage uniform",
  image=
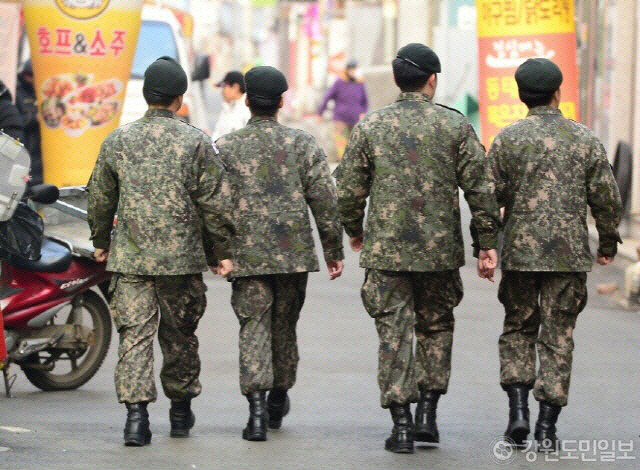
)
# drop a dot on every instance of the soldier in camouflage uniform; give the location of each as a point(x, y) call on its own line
point(166, 183)
point(548, 169)
point(410, 158)
point(276, 174)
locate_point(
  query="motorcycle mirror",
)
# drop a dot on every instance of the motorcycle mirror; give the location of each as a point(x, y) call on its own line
point(43, 193)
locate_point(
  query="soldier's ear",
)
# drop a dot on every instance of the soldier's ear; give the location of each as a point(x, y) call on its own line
point(281, 104)
point(246, 101)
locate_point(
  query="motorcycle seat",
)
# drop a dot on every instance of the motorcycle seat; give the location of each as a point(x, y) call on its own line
point(55, 258)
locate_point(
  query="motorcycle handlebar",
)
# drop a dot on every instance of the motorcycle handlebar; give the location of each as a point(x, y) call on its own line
point(42, 193)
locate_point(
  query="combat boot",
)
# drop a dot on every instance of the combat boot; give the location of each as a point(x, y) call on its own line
point(181, 418)
point(136, 430)
point(278, 406)
point(426, 429)
point(401, 439)
point(518, 427)
point(256, 429)
point(545, 433)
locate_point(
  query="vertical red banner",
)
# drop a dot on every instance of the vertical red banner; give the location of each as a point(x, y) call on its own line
point(509, 32)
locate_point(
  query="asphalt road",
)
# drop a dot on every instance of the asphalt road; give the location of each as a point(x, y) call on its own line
point(336, 421)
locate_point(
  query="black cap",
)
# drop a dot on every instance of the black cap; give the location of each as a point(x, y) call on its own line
point(420, 56)
point(538, 75)
point(352, 64)
point(265, 82)
point(165, 77)
point(231, 78)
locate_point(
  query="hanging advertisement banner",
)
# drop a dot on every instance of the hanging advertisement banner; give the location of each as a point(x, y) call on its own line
point(509, 32)
point(82, 51)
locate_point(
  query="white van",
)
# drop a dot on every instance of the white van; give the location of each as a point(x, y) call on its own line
point(161, 35)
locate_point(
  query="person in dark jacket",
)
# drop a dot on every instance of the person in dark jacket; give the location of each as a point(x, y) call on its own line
point(28, 108)
point(10, 120)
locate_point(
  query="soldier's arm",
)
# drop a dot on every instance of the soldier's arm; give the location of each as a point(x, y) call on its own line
point(212, 195)
point(475, 177)
point(320, 194)
point(604, 200)
point(353, 180)
point(102, 197)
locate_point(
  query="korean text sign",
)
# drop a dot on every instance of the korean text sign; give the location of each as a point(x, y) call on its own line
point(509, 32)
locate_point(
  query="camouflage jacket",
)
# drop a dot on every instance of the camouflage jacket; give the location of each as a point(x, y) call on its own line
point(548, 170)
point(276, 173)
point(164, 180)
point(410, 158)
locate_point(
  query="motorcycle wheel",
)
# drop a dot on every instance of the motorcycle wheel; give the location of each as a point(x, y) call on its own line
point(74, 368)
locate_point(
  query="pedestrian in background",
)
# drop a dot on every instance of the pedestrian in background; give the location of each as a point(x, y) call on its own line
point(28, 107)
point(10, 119)
point(410, 158)
point(234, 114)
point(549, 170)
point(350, 100)
point(165, 180)
point(276, 173)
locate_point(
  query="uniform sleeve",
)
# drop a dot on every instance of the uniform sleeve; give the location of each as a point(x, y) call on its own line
point(353, 180)
point(475, 177)
point(320, 194)
point(102, 198)
point(604, 200)
point(213, 198)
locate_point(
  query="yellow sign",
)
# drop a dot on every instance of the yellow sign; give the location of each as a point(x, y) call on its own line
point(524, 17)
point(82, 51)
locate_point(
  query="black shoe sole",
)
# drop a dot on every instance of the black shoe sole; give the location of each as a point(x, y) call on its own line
point(403, 449)
point(275, 424)
point(179, 433)
point(424, 436)
point(518, 434)
point(137, 441)
point(254, 437)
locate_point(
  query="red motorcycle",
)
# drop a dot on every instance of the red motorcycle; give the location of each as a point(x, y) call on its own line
point(57, 328)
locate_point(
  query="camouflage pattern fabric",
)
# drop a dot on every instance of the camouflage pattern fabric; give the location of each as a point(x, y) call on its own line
point(410, 158)
point(541, 311)
point(548, 170)
point(164, 179)
point(404, 302)
point(276, 174)
point(172, 307)
point(268, 308)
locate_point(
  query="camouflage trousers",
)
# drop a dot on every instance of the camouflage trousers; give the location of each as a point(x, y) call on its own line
point(172, 307)
point(407, 305)
point(268, 308)
point(541, 309)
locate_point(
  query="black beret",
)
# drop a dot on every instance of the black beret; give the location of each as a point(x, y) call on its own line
point(165, 77)
point(420, 56)
point(265, 82)
point(538, 75)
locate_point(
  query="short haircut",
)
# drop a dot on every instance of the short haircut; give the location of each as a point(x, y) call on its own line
point(154, 99)
point(263, 106)
point(533, 99)
point(408, 77)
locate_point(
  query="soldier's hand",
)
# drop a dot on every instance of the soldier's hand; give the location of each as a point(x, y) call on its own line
point(356, 242)
point(101, 255)
point(604, 260)
point(224, 268)
point(487, 263)
point(335, 269)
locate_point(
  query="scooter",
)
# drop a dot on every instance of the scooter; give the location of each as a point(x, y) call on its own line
point(57, 327)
